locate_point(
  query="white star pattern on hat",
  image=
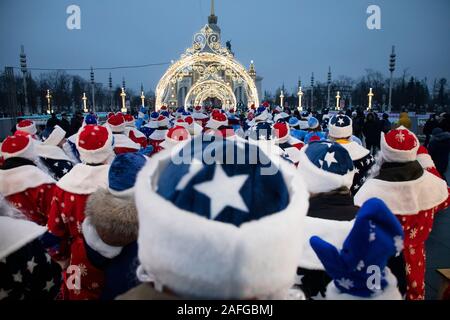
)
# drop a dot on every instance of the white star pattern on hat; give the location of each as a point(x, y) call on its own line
point(223, 191)
point(330, 159)
point(341, 121)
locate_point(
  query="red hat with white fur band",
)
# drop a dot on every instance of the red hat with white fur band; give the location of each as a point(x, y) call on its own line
point(27, 126)
point(95, 144)
point(399, 145)
point(18, 146)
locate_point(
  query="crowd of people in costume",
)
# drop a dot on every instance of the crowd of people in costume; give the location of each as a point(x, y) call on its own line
point(109, 211)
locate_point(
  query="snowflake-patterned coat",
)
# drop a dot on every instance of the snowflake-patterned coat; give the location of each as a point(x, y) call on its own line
point(26, 271)
point(155, 139)
point(362, 161)
point(136, 136)
point(414, 195)
point(123, 144)
point(66, 216)
point(27, 188)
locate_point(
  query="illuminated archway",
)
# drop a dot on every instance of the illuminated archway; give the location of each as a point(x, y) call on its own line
point(209, 66)
point(211, 89)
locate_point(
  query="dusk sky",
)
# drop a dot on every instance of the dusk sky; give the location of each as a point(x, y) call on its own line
point(285, 38)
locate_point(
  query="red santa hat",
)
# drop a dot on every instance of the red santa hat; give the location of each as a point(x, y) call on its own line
point(163, 108)
point(162, 121)
point(27, 126)
point(110, 114)
point(18, 146)
point(217, 120)
point(116, 122)
point(198, 108)
point(399, 145)
point(95, 144)
point(174, 136)
point(281, 132)
point(190, 125)
point(129, 120)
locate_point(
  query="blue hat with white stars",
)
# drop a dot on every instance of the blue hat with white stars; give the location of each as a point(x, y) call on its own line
point(215, 219)
point(360, 268)
point(340, 126)
point(123, 173)
point(325, 166)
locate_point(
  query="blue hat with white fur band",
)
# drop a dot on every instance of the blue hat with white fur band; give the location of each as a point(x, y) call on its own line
point(123, 172)
point(340, 126)
point(325, 166)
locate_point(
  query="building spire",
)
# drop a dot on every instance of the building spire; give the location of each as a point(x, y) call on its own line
point(212, 19)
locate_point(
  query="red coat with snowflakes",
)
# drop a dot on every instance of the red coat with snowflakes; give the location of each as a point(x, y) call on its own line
point(65, 221)
point(414, 202)
point(29, 189)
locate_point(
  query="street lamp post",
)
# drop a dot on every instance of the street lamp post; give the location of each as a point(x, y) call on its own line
point(85, 109)
point(370, 95)
point(49, 98)
point(110, 93)
point(23, 67)
point(329, 87)
point(93, 89)
point(300, 95)
point(282, 99)
point(391, 69)
point(123, 95)
point(142, 99)
point(338, 97)
point(312, 91)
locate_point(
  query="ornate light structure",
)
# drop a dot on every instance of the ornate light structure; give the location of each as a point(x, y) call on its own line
point(282, 99)
point(370, 95)
point(49, 99)
point(207, 65)
point(338, 97)
point(300, 95)
point(142, 99)
point(85, 109)
point(123, 95)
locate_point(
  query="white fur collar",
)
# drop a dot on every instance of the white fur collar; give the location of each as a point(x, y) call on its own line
point(355, 150)
point(389, 293)
point(199, 116)
point(425, 161)
point(122, 141)
point(51, 152)
point(332, 231)
point(406, 197)
point(96, 243)
point(158, 135)
point(19, 179)
point(84, 179)
point(16, 233)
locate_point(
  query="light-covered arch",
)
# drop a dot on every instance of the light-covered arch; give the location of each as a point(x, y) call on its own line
point(211, 89)
point(219, 62)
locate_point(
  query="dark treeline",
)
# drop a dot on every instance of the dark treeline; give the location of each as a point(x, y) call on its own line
point(408, 92)
point(66, 91)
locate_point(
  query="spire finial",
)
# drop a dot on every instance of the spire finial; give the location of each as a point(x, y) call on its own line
point(212, 19)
